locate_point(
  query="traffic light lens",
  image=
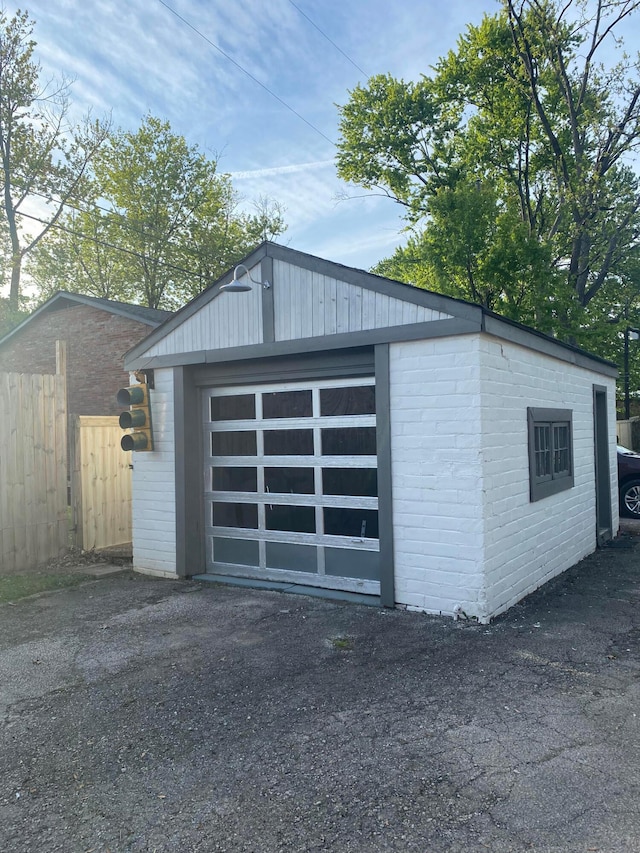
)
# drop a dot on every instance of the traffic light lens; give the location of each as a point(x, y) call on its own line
point(132, 419)
point(131, 396)
point(134, 441)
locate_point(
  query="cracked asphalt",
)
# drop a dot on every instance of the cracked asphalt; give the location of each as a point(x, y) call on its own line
point(149, 715)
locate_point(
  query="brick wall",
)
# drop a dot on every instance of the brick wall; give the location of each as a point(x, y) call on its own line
point(465, 530)
point(96, 343)
point(437, 474)
point(527, 543)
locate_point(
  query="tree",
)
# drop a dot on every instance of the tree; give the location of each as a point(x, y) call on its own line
point(161, 226)
point(44, 160)
point(512, 160)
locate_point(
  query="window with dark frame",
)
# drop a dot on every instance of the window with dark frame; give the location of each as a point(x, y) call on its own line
point(550, 451)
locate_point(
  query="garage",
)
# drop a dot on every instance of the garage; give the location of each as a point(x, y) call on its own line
point(323, 430)
point(291, 489)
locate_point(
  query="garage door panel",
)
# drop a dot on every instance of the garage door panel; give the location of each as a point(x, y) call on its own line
point(243, 552)
point(292, 556)
point(342, 562)
point(291, 482)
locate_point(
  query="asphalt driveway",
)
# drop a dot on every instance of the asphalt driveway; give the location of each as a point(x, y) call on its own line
point(151, 715)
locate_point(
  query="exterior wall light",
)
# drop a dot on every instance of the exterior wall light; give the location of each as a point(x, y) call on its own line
point(238, 286)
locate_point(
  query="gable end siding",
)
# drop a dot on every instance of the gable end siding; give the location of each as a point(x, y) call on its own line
point(309, 304)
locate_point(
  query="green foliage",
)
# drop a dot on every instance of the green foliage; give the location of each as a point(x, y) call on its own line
point(512, 163)
point(160, 224)
point(14, 587)
point(42, 159)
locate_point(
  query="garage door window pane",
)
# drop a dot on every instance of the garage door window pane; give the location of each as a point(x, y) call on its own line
point(352, 441)
point(235, 515)
point(357, 523)
point(297, 519)
point(240, 552)
point(234, 479)
point(296, 558)
point(289, 481)
point(233, 443)
point(287, 404)
point(239, 407)
point(342, 562)
point(288, 442)
point(348, 401)
point(350, 481)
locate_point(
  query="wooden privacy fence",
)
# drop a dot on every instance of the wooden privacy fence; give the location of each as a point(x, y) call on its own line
point(33, 470)
point(100, 483)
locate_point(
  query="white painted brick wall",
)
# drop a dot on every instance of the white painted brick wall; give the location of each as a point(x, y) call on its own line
point(154, 510)
point(465, 530)
point(528, 543)
point(437, 474)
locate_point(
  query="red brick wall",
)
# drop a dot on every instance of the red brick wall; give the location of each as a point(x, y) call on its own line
point(96, 343)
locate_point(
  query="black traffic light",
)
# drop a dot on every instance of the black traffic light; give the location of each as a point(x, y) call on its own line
point(137, 419)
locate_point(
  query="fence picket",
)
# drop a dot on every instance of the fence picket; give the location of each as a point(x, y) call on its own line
point(33, 494)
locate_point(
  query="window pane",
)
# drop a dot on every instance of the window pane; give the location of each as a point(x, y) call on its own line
point(288, 442)
point(542, 438)
point(240, 552)
point(297, 519)
point(350, 481)
point(293, 481)
point(356, 441)
point(345, 563)
point(234, 479)
point(560, 449)
point(287, 404)
point(233, 443)
point(357, 523)
point(297, 558)
point(235, 515)
point(348, 401)
point(238, 407)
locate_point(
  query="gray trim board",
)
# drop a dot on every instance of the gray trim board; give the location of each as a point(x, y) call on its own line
point(529, 338)
point(188, 451)
point(268, 311)
point(346, 340)
point(604, 514)
point(323, 365)
point(385, 497)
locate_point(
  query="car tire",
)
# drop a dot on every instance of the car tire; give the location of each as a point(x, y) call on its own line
point(630, 499)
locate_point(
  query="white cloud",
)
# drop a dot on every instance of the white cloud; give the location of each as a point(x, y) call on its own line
point(292, 168)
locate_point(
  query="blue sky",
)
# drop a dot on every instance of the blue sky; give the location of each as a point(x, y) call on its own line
point(132, 57)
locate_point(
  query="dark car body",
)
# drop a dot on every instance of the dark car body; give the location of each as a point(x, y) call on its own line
point(629, 482)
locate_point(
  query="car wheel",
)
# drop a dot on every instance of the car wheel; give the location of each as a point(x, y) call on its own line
point(630, 499)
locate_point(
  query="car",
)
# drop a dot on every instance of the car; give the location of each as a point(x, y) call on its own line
point(629, 482)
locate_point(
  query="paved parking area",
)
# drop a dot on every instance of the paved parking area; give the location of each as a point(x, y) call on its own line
point(149, 715)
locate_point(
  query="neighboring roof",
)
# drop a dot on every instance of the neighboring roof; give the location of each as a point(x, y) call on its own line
point(473, 316)
point(152, 317)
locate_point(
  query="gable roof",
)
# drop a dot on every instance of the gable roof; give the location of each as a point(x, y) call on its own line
point(427, 313)
point(151, 317)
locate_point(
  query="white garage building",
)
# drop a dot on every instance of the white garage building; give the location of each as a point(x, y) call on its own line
point(337, 433)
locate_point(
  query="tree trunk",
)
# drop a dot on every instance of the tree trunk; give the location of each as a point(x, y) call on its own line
point(14, 293)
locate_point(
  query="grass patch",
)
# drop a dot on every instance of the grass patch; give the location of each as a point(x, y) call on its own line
point(343, 644)
point(13, 587)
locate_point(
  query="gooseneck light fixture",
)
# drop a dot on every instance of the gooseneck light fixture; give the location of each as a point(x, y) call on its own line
point(238, 286)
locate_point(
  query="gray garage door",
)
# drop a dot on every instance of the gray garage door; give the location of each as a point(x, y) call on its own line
point(291, 489)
